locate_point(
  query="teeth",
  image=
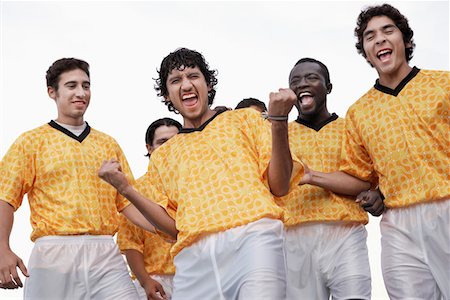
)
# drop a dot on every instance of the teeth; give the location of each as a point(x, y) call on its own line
point(188, 96)
point(383, 52)
point(304, 94)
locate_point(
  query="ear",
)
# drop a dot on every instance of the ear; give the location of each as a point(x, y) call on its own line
point(51, 92)
point(166, 99)
point(149, 149)
point(209, 88)
point(329, 88)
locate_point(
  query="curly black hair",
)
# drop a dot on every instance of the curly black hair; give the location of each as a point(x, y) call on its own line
point(64, 65)
point(180, 59)
point(394, 14)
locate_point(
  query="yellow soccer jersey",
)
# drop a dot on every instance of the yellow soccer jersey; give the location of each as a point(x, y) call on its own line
point(320, 149)
point(58, 172)
point(212, 178)
point(156, 251)
point(401, 136)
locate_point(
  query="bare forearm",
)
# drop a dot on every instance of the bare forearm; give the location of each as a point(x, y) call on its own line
point(339, 182)
point(136, 262)
point(153, 212)
point(6, 222)
point(280, 166)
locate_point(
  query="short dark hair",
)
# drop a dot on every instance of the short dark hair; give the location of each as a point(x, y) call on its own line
point(392, 13)
point(324, 68)
point(179, 59)
point(64, 65)
point(150, 133)
point(247, 102)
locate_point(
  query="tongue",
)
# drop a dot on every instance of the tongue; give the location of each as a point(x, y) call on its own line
point(190, 101)
point(385, 57)
point(307, 100)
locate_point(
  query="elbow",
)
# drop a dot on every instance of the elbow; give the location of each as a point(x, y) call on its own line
point(280, 192)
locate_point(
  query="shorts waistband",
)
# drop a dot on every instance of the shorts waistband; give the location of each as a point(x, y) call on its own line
point(74, 238)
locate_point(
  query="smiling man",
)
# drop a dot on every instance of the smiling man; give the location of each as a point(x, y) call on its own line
point(397, 137)
point(217, 178)
point(74, 214)
point(324, 232)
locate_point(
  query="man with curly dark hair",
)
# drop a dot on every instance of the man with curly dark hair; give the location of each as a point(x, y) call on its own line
point(396, 136)
point(217, 178)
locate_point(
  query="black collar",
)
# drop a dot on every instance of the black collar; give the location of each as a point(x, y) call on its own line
point(189, 130)
point(318, 126)
point(79, 138)
point(400, 86)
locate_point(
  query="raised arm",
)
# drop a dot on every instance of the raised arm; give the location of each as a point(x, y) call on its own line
point(280, 165)
point(9, 261)
point(111, 172)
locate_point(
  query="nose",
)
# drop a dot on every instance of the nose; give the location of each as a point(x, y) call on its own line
point(186, 84)
point(80, 92)
point(380, 38)
point(302, 83)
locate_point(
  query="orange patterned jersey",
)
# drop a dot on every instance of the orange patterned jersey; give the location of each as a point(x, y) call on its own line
point(58, 172)
point(212, 178)
point(320, 149)
point(156, 251)
point(401, 137)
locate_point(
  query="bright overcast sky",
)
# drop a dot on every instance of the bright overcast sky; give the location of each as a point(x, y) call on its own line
point(253, 45)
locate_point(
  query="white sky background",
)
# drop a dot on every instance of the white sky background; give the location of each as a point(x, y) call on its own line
point(253, 45)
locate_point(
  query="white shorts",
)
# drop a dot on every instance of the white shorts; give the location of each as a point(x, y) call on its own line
point(326, 259)
point(245, 262)
point(415, 256)
point(77, 267)
point(165, 280)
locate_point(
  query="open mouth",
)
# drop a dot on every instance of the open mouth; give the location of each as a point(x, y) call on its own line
point(384, 54)
point(189, 99)
point(306, 98)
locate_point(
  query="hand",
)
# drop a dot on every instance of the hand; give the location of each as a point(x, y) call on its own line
point(281, 102)
point(111, 172)
point(9, 278)
point(372, 202)
point(307, 175)
point(154, 290)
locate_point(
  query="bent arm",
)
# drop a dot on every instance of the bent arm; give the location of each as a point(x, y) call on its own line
point(137, 218)
point(280, 165)
point(153, 212)
point(111, 172)
point(338, 182)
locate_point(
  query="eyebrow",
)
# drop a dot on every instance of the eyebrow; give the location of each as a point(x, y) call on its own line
point(75, 82)
point(387, 26)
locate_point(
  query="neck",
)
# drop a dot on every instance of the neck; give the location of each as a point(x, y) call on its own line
point(71, 122)
point(392, 80)
point(316, 119)
point(197, 122)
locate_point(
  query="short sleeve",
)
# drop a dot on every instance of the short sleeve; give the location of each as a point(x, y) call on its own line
point(355, 159)
point(130, 236)
point(17, 171)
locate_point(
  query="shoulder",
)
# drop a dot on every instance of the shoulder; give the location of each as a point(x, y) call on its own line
point(442, 77)
point(35, 134)
point(102, 136)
